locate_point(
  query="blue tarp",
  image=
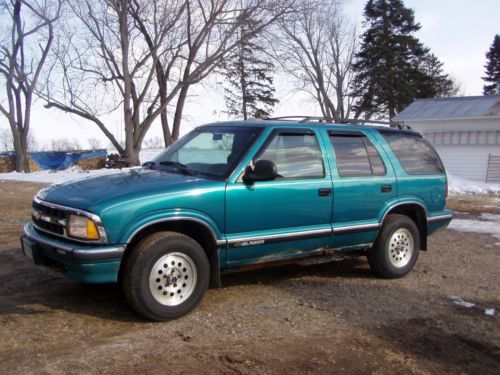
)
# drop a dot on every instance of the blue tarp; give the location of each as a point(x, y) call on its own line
point(60, 160)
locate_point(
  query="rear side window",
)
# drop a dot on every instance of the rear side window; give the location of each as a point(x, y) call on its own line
point(356, 156)
point(296, 155)
point(414, 153)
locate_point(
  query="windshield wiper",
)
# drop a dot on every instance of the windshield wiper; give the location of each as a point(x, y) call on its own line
point(149, 164)
point(179, 166)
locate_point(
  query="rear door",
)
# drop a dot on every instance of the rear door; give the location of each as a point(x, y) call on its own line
point(422, 175)
point(363, 184)
point(286, 217)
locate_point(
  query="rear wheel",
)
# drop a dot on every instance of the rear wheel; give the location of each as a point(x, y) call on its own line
point(395, 251)
point(166, 276)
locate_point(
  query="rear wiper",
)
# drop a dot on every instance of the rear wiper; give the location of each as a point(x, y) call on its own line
point(179, 166)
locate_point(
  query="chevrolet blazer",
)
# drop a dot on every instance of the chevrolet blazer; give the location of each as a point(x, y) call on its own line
point(233, 194)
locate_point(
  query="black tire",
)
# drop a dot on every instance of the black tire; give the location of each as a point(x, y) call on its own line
point(140, 280)
point(396, 249)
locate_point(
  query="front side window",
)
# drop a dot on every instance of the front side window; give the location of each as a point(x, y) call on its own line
point(211, 152)
point(356, 156)
point(296, 155)
point(414, 153)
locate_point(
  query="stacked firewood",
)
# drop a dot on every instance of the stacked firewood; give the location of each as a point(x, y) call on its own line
point(117, 161)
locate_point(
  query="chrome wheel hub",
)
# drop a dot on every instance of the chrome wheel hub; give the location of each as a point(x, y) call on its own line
point(172, 279)
point(401, 247)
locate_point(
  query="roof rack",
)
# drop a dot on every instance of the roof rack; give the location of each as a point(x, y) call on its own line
point(305, 119)
point(400, 125)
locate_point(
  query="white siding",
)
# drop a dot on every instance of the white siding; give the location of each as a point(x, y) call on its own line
point(464, 160)
point(470, 162)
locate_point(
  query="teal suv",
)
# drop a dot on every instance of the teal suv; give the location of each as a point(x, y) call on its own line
point(235, 194)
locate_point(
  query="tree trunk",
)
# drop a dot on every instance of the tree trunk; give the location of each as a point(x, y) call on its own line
point(18, 149)
point(20, 141)
point(392, 110)
point(128, 117)
point(162, 83)
point(167, 135)
point(179, 108)
point(133, 155)
point(24, 147)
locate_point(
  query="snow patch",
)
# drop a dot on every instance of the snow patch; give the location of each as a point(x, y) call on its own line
point(72, 173)
point(489, 312)
point(457, 300)
point(56, 177)
point(476, 226)
point(459, 185)
point(490, 217)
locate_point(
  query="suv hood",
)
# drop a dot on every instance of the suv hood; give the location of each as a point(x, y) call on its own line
point(119, 186)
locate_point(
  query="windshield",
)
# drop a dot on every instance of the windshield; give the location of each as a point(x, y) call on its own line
point(209, 151)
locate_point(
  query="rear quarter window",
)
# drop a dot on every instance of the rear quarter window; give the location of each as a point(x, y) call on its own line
point(414, 153)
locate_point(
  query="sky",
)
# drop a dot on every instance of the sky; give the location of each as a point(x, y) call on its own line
point(458, 32)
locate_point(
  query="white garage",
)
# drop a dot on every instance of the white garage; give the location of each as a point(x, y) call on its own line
point(464, 130)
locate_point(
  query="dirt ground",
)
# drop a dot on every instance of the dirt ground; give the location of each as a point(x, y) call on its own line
point(333, 317)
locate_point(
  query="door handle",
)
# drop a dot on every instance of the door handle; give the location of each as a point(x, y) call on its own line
point(386, 188)
point(327, 192)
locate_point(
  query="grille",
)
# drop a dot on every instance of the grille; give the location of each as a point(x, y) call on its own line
point(49, 219)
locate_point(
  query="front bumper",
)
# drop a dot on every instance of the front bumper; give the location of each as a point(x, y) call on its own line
point(88, 263)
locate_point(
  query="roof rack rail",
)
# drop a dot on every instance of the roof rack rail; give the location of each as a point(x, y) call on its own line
point(400, 125)
point(305, 119)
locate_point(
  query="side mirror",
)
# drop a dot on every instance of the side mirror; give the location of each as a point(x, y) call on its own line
point(263, 170)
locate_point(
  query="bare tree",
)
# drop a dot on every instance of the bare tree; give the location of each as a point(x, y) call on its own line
point(65, 144)
point(457, 87)
point(153, 142)
point(315, 45)
point(24, 46)
point(105, 66)
point(94, 143)
point(6, 140)
point(141, 57)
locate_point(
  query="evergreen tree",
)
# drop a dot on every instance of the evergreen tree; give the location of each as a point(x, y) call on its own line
point(492, 67)
point(250, 90)
point(433, 82)
point(392, 67)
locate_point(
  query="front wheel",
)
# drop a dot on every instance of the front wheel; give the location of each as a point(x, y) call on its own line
point(395, 251)
point(166, 276)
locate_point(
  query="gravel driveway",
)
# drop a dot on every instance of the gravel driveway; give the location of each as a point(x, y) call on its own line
point(322, 318)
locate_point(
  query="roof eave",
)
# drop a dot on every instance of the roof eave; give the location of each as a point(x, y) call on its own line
point(447, 119)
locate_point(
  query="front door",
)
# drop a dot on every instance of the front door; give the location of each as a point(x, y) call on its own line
point(286, 217)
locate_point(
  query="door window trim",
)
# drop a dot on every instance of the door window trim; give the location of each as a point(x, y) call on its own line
point(364, 137)
point(270, 138)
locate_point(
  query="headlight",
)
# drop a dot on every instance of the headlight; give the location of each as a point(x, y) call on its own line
point(82, 227)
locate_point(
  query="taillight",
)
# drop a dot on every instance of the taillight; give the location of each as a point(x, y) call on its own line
point(447, 187)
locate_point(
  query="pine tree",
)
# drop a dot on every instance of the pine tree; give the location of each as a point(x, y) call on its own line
point(250, 90)
point(492, 67)
point(392, 67)
point(434, 82)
